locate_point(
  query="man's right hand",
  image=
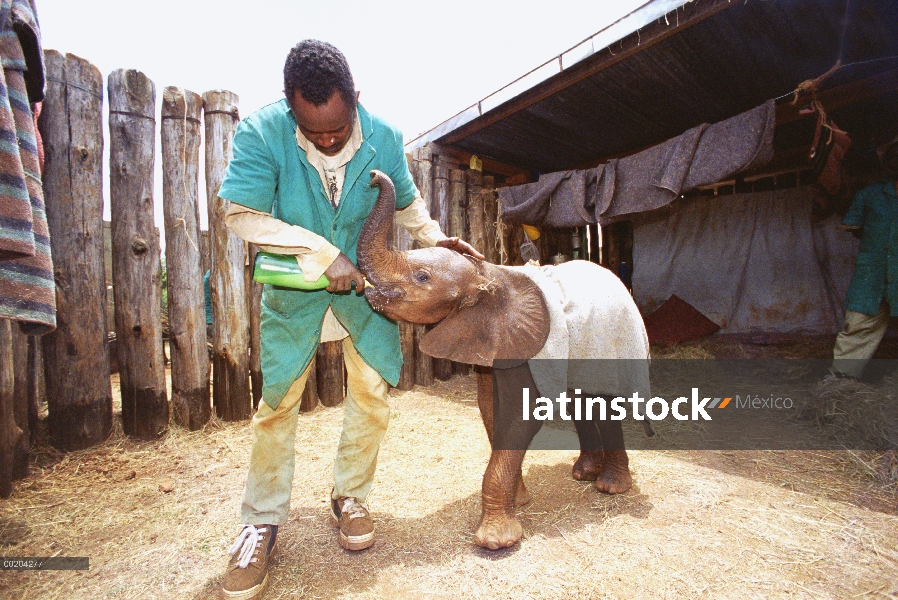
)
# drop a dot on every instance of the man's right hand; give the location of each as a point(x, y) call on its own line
point(342, 273)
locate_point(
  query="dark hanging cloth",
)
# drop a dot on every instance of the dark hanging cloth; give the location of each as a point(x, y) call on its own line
point(647, 180)
point(27, 289)
point(564, 199)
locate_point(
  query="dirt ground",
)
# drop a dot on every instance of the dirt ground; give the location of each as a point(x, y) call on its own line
point(156, 518)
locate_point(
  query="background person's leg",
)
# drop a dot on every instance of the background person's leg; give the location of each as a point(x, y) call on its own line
point(858, 340)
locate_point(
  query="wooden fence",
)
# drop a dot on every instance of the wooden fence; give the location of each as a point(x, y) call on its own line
point(70, 368)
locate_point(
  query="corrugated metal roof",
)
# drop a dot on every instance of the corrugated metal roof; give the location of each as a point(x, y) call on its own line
point(720, 59)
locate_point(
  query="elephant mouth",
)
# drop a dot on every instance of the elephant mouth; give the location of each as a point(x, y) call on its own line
point(380, 296)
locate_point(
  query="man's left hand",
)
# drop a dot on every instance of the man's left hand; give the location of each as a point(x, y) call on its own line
point(460, 246)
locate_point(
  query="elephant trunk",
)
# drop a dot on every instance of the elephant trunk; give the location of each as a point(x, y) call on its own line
point(377, 260)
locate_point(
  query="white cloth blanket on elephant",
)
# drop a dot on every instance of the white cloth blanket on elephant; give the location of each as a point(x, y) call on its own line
point(592, 316)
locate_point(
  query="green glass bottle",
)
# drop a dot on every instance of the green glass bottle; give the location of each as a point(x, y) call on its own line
point(282, 270)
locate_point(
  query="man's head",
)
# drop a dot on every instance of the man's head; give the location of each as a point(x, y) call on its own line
point(320, 90)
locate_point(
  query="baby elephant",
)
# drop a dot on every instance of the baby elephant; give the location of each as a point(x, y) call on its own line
point(485, 313)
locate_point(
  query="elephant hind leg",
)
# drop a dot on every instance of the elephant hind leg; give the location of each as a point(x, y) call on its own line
point(588, 466)
point(614, 477)
point(592, 459)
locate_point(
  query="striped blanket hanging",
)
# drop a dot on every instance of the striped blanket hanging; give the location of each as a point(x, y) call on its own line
point(27, 289)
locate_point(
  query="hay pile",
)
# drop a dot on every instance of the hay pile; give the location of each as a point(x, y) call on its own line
point(861, 412)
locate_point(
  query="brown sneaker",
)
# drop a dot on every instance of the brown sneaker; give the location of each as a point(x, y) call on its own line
point(247, 574)
point(355, 523)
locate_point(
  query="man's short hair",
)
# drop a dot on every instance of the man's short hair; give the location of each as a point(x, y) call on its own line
point(317, 69)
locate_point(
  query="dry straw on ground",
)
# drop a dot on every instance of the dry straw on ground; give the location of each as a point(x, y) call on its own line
point(156, 518)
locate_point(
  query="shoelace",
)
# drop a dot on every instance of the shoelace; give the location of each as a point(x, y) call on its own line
point(354, 508)
point(246, 543)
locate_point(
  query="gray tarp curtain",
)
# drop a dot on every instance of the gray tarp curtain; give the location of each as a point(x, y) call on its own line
point(749, 262)
point(646, 180)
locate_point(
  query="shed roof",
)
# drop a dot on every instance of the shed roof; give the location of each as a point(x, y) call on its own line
point(671, 65)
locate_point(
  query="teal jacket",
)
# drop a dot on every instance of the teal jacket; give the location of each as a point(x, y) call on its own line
point(269, 172)
point(875, 208)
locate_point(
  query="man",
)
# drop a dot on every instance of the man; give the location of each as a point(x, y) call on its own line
point(298, 184)
point(873, 293)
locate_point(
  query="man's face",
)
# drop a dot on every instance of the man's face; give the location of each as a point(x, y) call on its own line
point(327, 126)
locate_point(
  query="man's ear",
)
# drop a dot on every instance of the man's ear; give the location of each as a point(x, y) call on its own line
point(505, 318)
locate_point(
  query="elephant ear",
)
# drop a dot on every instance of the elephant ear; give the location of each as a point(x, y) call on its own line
point(505, 318)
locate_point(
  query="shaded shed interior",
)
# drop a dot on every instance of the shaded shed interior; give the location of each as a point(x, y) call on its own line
point(703, 62)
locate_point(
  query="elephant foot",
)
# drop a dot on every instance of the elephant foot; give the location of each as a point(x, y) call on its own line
point(522, 496)
point(499, 531)
point(588, 466)
point(615, 476)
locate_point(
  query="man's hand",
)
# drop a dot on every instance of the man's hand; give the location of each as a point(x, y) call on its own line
point(342, 273)
point(460, 246)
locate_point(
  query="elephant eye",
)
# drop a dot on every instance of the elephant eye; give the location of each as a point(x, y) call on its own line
point(422, 277)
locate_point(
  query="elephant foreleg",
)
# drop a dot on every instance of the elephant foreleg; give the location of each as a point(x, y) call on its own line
point(614, 477)
point(485, 403)
point(592, 458)
point(498, 526)
point(502, 480)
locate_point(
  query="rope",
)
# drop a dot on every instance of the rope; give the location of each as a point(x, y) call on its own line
point(811, 85)
point(76, 86)
point(128, 113)
point(234, 115)
point(182, 118)
point(847, 66)
point(183, 223)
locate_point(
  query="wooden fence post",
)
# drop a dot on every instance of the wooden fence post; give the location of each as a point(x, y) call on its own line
point(230, 353)
point(330, 373)
point(423, 174)
point(36, 385)
point(490, 213)
point(20, 398)
point(79, 392)
point(458, 206)
point(205, 251)
point(180, 134)
point(476, 211)
point(310, 393)
point(136, 270)
point(10, 433)
point(442, 367)
point(254, 297)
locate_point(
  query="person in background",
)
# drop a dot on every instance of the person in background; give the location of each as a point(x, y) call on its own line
point(625, 274)
point(873, 294)
point(299, 184)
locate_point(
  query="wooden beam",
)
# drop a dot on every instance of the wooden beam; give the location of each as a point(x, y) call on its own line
point(639, 40)
point(463, 158)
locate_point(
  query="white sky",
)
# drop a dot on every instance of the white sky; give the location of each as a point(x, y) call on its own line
point(415, 63)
